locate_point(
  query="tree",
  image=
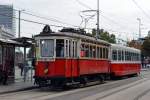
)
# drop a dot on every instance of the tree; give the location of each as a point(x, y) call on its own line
point(135, 43)
point(104, 35)
point(146, 47)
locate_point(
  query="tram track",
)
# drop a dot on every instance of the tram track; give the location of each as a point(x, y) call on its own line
point(26, 95)
point(49, 94)
point(142, 94)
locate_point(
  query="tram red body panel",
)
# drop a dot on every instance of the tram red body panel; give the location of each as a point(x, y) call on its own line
point(122, 69)
point(55, 68)
point(93, 66)
point(71, 67)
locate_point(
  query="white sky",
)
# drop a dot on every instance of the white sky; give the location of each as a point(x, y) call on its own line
point(122, 15)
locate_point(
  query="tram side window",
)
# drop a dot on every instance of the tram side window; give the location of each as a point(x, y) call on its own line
point(104, 54)
point(126, 55)
point(137, 57)
point(47, 48)
point(82, 52)
point(90, 51)
point(101, 52)
point(94, 52)
point(98, 53)
point(122, 57)
point(74, 51)
point(59, 48)
point(67, 48)
point(119, 55)
point(134, 56)
point(114, 54)
point(0, 55)
point(87, 51)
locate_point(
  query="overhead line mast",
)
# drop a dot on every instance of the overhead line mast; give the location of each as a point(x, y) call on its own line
point(97, 20)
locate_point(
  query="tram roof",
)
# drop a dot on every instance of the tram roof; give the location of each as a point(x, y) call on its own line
point(73, 35)
point(120, 47)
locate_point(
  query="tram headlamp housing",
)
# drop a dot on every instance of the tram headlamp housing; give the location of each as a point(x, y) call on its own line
point(46, 71)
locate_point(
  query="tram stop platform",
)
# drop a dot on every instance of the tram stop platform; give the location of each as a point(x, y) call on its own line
point(16, 87)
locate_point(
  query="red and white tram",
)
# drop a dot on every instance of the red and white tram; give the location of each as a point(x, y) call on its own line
point(71, 57)
point(125, 60)
point(66, 58)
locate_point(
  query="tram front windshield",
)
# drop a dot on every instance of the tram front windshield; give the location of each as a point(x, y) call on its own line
point(47, 48)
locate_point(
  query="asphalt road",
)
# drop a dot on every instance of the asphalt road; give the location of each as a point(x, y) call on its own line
point(135, 88)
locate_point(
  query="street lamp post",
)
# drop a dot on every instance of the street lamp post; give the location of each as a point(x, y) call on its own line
point(139, 27)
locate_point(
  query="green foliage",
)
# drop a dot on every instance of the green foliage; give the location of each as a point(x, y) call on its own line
point(146, 47)
point(104, 35)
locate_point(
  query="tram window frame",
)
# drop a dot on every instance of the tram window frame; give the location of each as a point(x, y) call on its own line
point(51, 51)
point(61, 50)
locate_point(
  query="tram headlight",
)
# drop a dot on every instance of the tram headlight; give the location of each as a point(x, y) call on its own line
point(46, 71)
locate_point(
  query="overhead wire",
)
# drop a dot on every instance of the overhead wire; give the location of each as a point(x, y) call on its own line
point(31, 21)
point(50, 19)
point(143, 11)
point(84, 5)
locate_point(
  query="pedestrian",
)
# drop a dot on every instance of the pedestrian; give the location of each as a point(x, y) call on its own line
point(21, 66)
point(1, 78)
point(5, 77)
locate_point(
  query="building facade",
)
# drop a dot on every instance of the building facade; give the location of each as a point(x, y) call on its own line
point(7, 21)
point(6, 33)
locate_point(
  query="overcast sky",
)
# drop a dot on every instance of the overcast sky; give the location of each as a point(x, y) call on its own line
point(117, 16)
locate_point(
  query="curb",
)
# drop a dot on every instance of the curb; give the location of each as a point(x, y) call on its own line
point(18, 90)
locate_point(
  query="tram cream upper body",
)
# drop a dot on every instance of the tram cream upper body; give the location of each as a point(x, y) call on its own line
point(127, 52)
point(77, 38)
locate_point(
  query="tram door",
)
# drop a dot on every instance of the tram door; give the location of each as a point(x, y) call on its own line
point(71, 57)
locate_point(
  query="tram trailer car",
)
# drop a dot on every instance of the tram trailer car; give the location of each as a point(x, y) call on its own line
point(125, 61)
point(68, 58)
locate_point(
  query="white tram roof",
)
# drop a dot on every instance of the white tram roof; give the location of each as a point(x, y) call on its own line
point(124, 48)
point(73, 35)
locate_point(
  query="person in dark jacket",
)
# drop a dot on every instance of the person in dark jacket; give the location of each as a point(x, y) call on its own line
point(5, 77)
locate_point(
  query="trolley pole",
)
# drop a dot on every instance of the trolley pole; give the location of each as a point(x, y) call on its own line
point(97, 19)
